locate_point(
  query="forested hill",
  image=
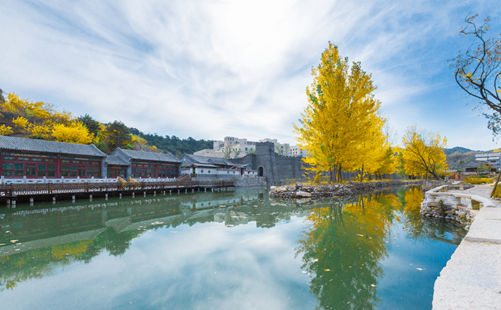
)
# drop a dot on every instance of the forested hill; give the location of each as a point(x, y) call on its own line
point(457, 149)
point(39, 120)
point(173, 144)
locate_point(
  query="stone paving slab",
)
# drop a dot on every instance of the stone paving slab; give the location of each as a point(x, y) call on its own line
point(472, 277)
point(486, 227)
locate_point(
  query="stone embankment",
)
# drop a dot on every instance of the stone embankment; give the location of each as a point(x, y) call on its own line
point(300, 190)
point(453, 203)
point(472, 277)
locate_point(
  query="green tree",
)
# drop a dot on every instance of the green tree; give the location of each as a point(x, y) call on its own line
point(116, 135)
point(92, 125)
point(2, 99)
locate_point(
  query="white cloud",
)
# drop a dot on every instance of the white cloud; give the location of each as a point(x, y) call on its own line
point(220, 68)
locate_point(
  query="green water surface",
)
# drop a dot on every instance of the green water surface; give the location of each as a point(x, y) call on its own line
point(228, 250)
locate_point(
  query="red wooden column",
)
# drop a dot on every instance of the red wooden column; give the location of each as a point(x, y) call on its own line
point(58, 167)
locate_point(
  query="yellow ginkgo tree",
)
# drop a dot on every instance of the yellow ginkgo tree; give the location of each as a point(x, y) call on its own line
point(423, 156)
point(341, 128)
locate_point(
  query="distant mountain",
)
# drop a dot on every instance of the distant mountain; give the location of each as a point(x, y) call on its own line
point(459, 161)
point(457, 149)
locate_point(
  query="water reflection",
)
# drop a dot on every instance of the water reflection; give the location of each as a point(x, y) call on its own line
point(424, 228)
point(339, 245)
point(343, 248)
point(34, 239)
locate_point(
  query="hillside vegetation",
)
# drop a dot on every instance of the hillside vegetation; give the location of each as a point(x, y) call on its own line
point(39, 120)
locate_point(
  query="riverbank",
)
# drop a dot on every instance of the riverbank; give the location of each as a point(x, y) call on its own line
point(300, 190)
point(472, 277)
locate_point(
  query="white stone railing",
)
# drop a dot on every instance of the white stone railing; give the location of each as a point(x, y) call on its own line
point(78, 180)
point(443, 202)
point(148, 180)
point(445, 194)
point(58, 180)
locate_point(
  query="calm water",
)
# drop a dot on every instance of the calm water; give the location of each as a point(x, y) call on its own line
point(233, 250)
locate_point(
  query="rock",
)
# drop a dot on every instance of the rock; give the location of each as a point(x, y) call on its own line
point(303, 194)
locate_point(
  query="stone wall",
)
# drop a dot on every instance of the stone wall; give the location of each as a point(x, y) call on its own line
point(443, 202)
point(240, 181)
point(275, 168)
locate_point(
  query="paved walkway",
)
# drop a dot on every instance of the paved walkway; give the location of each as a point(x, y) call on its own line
point(472, 277)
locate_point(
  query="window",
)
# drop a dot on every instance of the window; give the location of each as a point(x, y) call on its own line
point(81, 172)
point(18, 166)
point(7, 166)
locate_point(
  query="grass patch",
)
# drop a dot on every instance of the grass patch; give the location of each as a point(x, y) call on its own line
point(475, 205)
point(497, 192)
point(478, 180)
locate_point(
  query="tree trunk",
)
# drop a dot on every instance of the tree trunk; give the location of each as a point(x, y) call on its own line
point(496, 184)
point(330, 175)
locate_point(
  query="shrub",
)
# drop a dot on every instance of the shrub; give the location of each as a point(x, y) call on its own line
point(478, 180)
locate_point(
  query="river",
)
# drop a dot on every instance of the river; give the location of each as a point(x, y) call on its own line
point(227, 250)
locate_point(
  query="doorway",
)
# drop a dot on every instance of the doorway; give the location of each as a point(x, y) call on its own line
point(260, 171)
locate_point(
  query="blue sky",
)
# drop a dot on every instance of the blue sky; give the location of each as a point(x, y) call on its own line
point(210, 69)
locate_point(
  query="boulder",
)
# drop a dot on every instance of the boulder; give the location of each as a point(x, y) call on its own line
point(303, 194)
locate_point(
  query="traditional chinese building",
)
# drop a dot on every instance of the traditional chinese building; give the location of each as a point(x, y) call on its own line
point(33, 158)
point(140, 164)
point(205, 165)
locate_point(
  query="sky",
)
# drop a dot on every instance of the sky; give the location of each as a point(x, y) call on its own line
point(209, 69)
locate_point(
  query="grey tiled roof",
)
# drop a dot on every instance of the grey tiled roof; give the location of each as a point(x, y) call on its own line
point(116, 160)
point(44, 146)
point(151, 156)
point(206, 160)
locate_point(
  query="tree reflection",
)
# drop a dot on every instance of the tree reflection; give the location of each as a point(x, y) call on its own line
point(419, 227)
point(343, 248)
point(412, 207)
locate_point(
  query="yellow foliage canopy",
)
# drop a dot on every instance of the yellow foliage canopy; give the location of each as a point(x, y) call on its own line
point(73, 133)
point(40, 120)
point(341, 128)
point(423, 156)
